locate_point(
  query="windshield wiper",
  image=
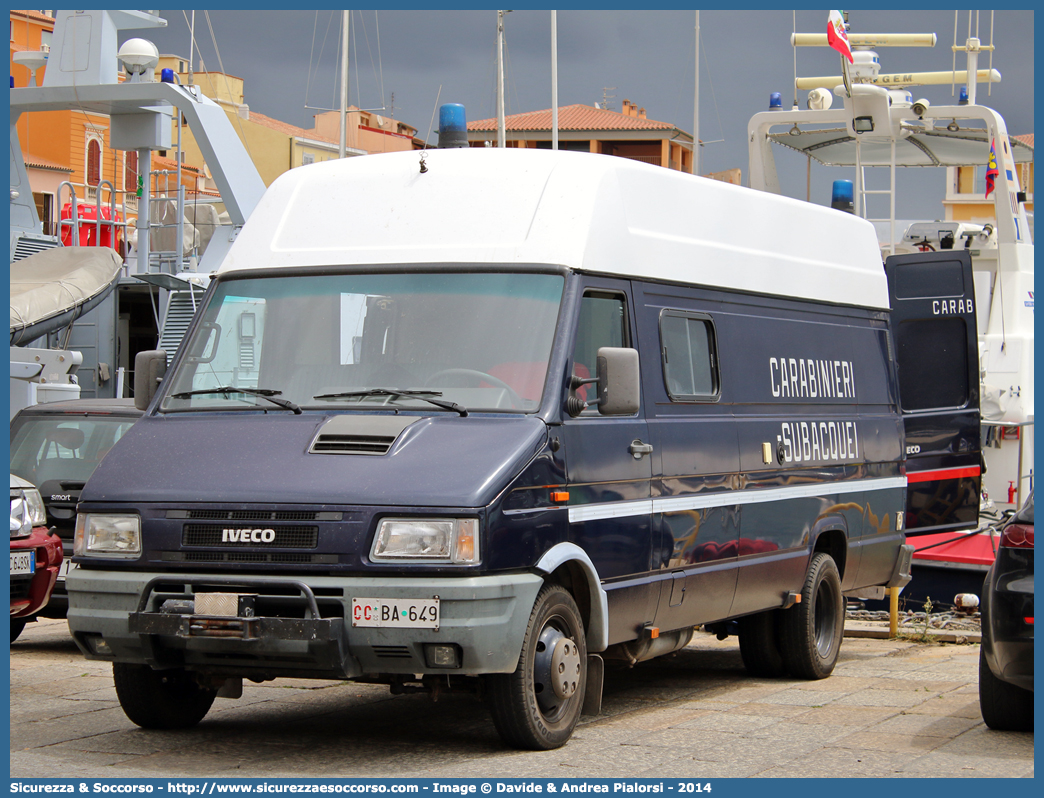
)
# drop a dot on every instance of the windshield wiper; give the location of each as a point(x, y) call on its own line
point(403, 394)
point(265, 393)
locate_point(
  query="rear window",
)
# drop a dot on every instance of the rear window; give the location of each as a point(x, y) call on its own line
point(56, 447)
point(929, 280)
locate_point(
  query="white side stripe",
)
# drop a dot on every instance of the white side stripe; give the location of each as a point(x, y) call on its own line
point(594, 512)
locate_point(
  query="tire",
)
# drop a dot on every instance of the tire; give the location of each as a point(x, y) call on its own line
point(759, 644)
point(530, 709)
point(167, 699)
point(1004, 706)
point(17, 625)
point(810, 632)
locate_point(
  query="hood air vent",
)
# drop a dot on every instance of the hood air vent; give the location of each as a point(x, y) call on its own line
point(359, 434)
point(327, 443)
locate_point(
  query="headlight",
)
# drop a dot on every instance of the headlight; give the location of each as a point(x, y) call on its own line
point(21, 526)
point(99, 535)
point(429, 539)
point(37, 511)
point(27, 511)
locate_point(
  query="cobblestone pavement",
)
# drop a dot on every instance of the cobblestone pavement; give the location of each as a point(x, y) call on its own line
point(892, 708)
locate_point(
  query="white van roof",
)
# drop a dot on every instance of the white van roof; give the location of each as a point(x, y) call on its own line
point(587, 212)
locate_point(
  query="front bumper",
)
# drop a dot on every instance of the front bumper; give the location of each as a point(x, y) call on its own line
point(58, 604)
point(29, 595)
point(302, 625)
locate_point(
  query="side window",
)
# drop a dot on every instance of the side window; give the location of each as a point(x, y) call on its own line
point(603, 322)
point(690, 368)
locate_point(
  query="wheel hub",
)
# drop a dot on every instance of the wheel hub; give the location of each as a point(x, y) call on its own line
point(557, 668)
point(565, 668)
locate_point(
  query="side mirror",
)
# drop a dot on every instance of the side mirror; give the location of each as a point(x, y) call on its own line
point(149, 368)
point(618, 382)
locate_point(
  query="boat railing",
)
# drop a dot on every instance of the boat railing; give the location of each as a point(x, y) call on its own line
point(73, 221)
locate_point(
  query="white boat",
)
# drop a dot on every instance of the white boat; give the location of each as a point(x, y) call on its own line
point(876, 122)
point(53, 288)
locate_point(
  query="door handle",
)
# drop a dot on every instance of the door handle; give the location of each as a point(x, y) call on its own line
point(638, 449)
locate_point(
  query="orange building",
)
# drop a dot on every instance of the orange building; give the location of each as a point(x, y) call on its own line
point(368, 131)
point(627, 134)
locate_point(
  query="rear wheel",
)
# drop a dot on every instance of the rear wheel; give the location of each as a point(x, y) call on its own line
point(1004, 707)
point(167, 699)
point(538, 705)
point(811, 631)
point(17, 625)
point(759, 644)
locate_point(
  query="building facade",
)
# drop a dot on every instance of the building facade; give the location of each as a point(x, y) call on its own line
point(626, 134)
point(276, 146)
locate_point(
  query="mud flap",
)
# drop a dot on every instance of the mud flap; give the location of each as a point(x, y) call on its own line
point(901, 574)
point(593, 693)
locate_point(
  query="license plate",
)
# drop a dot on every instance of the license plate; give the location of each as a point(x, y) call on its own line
point(66, 566)
point(396, 613)
point(23, 562)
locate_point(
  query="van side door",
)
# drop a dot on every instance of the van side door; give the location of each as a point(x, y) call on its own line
point(696, 525)
point(609, 468)
point(936, 348)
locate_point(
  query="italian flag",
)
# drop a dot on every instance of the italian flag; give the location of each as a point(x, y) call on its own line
point(836, 35)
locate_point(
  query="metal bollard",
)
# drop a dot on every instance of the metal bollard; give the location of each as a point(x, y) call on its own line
point(893, 612)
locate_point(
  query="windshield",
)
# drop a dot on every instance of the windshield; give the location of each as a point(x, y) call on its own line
point(416, 341)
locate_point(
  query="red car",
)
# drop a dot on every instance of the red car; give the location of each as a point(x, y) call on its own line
point(36, 555)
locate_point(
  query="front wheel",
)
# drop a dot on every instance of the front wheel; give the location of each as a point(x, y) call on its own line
point(811, 631)
point(538, 705)
point(167, 699)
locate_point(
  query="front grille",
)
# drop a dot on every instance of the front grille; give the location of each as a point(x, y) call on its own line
point(252, 515)
point(286, 537)
point(392, 652)
point(20, 587)
point(248, 557)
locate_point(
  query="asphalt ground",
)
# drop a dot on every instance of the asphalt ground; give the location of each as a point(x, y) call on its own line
point(892, 708)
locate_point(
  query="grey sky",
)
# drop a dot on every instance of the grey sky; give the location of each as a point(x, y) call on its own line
point(287, 59)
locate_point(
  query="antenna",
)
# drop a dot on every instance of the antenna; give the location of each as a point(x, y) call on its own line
point(989, 86)
point(606, 97)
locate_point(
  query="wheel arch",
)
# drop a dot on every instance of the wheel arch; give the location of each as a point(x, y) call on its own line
point(830, 536)
point(568, 565)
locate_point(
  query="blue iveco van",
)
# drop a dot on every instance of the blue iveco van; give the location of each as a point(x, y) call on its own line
point(496, 416)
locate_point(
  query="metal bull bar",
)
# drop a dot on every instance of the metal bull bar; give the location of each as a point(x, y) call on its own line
point(224, 633)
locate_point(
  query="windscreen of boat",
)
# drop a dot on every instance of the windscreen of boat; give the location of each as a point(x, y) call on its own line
point(396, 340)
